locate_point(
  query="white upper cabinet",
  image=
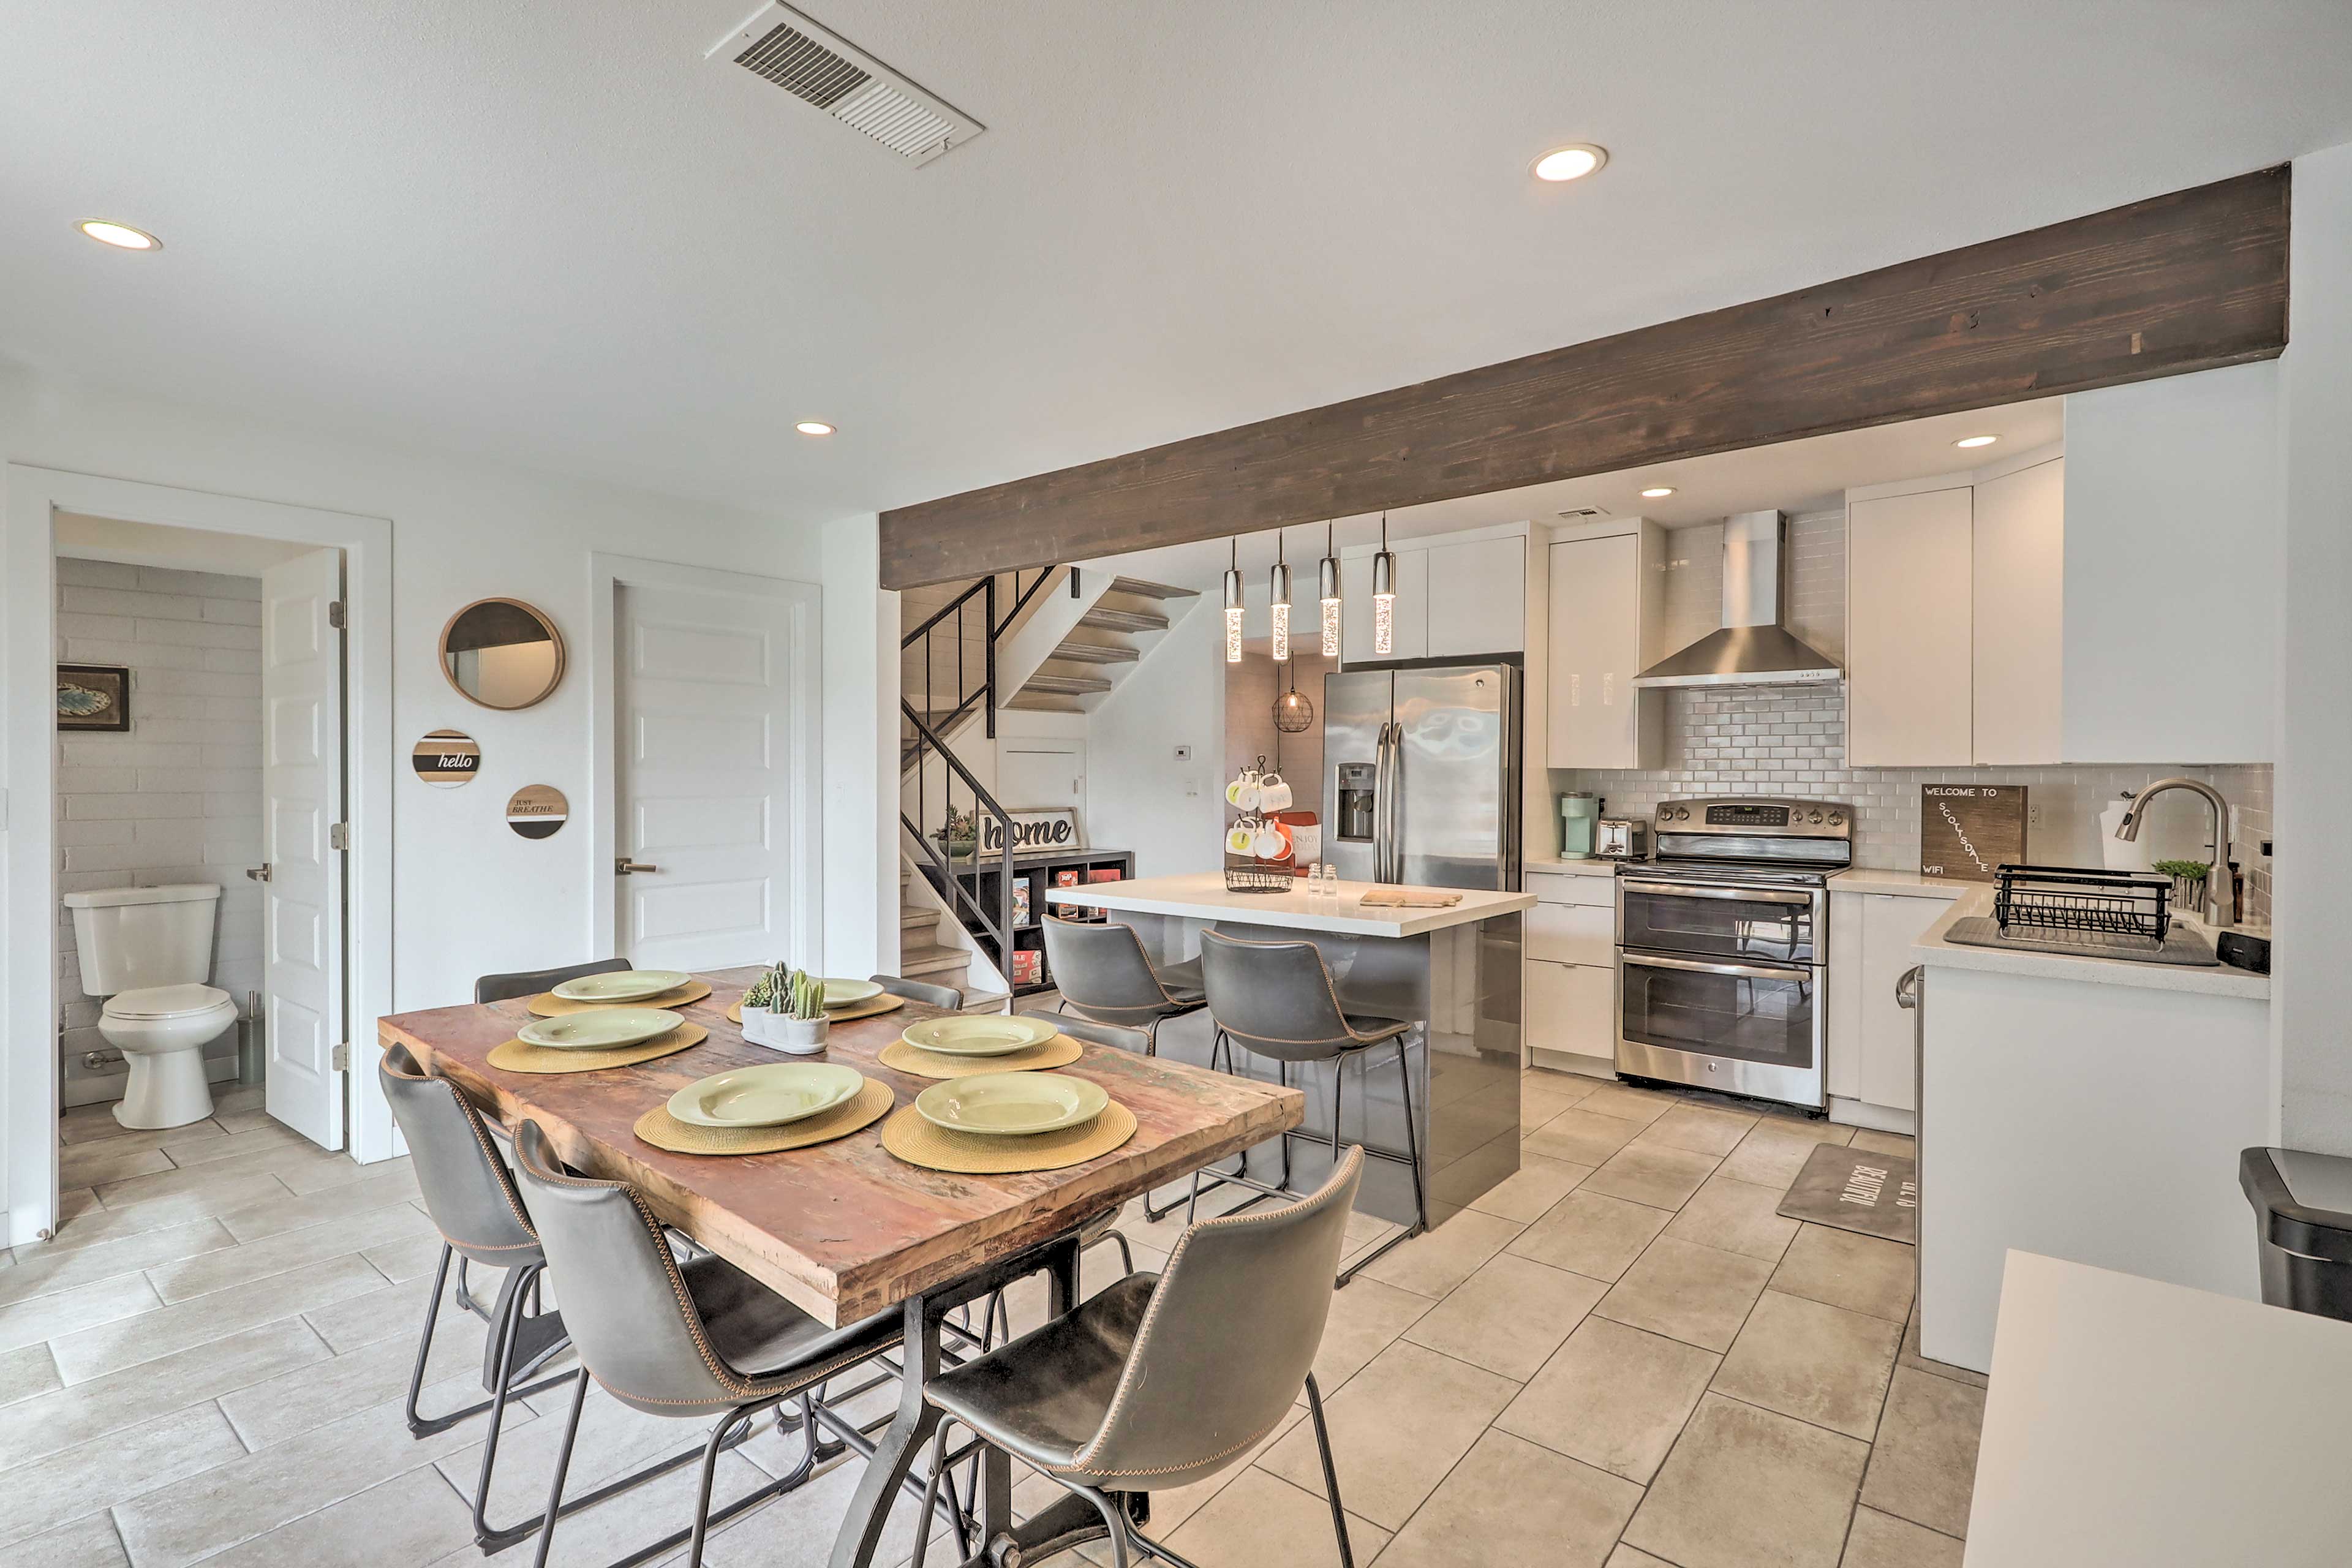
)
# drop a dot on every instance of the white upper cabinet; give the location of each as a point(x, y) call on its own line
point(1910, 690)
point(1599, 599)
point(2019, 557)
point(1477, 598)
point(1466, 599)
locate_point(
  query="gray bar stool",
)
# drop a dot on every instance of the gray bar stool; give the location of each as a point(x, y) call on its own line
point(1148, 1386)
point(1276, 999)
point(694, 1339)
point(1102, 974)
point(531, 982)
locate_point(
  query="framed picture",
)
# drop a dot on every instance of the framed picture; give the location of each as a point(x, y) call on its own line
point(93, 697)
point(1967, 831)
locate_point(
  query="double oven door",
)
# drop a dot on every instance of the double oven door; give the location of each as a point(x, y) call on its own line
point(1719, 983)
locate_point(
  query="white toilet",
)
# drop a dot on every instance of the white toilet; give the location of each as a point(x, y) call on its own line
point(148, 950)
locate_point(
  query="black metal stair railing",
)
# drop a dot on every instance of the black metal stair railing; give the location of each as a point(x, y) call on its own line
point(927, 728)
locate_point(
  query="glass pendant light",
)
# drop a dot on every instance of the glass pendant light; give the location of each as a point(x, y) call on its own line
point(1327, 576)
point(1233, 606)
point(1384, 594)
point(1278, 602)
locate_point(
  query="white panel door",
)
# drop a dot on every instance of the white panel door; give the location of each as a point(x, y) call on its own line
point(2020, 593)
point(1040, 773)
point(716, 776)
point(1910, 682)
point(1476, 598)
point(302, 806)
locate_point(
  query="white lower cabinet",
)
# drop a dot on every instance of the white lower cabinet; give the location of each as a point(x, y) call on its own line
point(1571, 1007)
point(1870, 1054)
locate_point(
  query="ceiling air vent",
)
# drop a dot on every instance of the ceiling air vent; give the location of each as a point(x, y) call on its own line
point(820, 67)
point(1584, 513)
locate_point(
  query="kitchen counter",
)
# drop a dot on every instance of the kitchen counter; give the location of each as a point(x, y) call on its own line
point(1591, 865)
point(1902, 884)
point(2218, 981)
point(1203, 896)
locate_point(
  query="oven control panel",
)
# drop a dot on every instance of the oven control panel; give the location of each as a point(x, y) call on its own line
point(1785, 818)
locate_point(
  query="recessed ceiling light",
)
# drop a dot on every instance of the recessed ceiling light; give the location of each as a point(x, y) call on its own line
point(1657, 492)
point(1572, 162)
point(122, 235)
point(813, 427)
point(1976, 440)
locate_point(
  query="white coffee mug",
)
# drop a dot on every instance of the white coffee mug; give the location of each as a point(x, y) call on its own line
point(1268, 842)
point(1239, 839)
point(1244, 791)
point(1273, 794)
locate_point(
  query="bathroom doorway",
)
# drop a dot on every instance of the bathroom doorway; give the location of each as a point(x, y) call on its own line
point(217, 776)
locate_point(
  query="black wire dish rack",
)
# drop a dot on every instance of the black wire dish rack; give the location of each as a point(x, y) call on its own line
point(2121, 906)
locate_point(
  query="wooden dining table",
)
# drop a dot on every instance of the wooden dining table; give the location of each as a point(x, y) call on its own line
point(846, 1229)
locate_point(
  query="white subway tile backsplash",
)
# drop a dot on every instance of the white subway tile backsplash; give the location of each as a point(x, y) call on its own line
point(178, 797)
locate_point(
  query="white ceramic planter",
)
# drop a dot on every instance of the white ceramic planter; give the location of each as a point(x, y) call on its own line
point(800, 1037)
point(761, 1026)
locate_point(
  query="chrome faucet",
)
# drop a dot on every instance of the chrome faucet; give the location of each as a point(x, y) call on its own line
point(2220, 887)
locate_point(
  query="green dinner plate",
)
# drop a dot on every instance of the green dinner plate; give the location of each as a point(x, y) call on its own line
point(605, 1030)
point(974, 1034)
point(1012, 1104)
point(848, 992)
point(626, 986)
point(767, 1096)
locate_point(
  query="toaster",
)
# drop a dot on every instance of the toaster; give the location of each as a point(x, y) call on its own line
point(1622, 839)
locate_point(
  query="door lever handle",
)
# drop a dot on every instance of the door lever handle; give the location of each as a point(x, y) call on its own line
point(623, 866)
point(257, 873)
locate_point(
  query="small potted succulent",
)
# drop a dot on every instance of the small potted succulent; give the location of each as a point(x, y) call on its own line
point(800, 1024)
point(761, 1008)
point(960, 836)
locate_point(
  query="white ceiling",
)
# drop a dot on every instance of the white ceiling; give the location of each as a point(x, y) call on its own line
point(553, 233)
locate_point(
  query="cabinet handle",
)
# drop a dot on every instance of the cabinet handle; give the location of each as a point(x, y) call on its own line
point(1576, 689)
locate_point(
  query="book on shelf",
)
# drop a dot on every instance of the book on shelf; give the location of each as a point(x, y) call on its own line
point(1028, 966)
point(1106, 873)
point(1021, 900)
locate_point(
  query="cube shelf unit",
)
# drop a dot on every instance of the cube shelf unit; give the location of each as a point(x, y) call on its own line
point(1036, 868)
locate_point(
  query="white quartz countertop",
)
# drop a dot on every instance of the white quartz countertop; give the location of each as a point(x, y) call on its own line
point(1591, 865)
point(1203, 896)
point(2218, 981)
point(1902, 884)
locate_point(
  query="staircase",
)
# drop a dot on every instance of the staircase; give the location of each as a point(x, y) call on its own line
point(923, 956)
point(1086, 662)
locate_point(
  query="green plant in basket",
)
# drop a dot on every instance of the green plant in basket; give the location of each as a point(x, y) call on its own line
point(804, 996)
point(2187, 870)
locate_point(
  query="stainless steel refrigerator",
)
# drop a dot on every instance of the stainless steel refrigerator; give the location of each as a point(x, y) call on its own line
point(1421, 776)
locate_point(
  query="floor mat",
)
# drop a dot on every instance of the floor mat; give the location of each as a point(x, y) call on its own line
point(1858, 1189)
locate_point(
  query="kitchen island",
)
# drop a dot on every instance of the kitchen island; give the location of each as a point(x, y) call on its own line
point(2089, 1109)
point(1456, 967)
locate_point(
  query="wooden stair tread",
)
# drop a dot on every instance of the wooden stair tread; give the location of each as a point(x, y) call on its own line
point(1071, 652)
point(1067, 683)
point(1107, 617)
point(1142, 589)
point(930, 959)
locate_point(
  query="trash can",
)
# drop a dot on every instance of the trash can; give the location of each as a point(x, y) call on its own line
point(2303, 1213)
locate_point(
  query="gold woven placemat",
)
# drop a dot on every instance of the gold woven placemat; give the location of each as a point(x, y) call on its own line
point(663, 1131)
point(866, 1009)
point(919, 1142)
point(548, 1005)
point(515, 1056)
point(1059, 1052)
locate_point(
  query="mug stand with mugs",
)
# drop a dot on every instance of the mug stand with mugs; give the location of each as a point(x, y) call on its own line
point(1255, 836)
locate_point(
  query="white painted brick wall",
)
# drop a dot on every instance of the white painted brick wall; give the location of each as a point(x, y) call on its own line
point(1790, 740)
point(178, 797)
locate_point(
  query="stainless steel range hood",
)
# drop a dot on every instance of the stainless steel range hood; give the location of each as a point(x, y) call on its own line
point(1750, 648)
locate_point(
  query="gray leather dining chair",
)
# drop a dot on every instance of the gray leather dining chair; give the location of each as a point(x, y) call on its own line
point(946, 996)
point(692, 1339)
point(470, 1197)
point(1276, 999)
point(1102, 974)
point(1147, 1386)
point(531, 982)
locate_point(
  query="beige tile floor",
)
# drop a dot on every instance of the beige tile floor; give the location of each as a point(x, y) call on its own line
point(1620, 1357)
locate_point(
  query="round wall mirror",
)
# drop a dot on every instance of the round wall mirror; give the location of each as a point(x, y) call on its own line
point(502, 652)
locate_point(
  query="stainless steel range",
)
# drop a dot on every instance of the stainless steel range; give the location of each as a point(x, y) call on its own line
point(1723, 946)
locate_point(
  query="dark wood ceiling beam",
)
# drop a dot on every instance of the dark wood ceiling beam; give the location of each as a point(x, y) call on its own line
point(2182, 282)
